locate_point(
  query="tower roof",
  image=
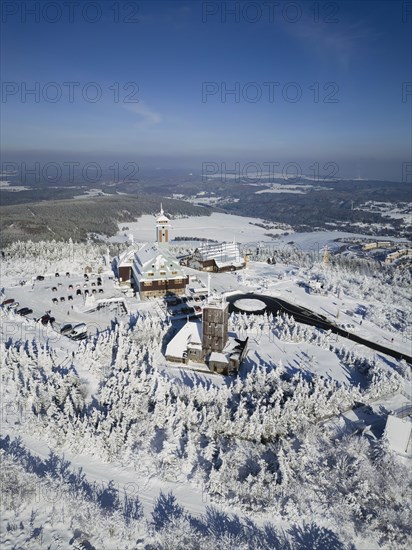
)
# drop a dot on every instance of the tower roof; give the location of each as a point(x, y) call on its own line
point(161, 218)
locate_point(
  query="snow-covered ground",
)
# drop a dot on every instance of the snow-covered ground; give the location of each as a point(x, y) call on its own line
point(216, 226)
point(114, 407)
point(244, 230)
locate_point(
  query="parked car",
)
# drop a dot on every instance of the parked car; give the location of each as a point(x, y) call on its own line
point(86, 277)
point(66, 329)
point(24, 311)
point(14, 305)
point(78, 330)
point(56, 275)
point(78, 292)
point(62, 299)
point(55, 301)
point(8, 302)
point(70, 297)
point(54, 289)
point(70, 287)
point(81, 336)
point(67, 274)
point(93, 284)
point(47, 319)
point(39, 278)
point(101, 290)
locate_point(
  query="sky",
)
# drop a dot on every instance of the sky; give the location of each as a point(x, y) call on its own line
point(314, 82)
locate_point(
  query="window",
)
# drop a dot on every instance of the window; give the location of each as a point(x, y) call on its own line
point(162, 272)
point(150, 274)
point(174, 272)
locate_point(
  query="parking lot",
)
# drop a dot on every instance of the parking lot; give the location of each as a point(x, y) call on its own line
point(70, 298)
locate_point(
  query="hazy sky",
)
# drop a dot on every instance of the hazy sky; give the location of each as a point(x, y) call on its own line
point(311, 86)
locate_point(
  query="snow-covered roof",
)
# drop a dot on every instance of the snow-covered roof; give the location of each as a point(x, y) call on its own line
point(218, 357)
point(126, 257)
point(189, 335)
point(399, 434)
point(224, 254)
point(151, 257)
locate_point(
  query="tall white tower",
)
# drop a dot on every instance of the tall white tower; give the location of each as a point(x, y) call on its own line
point(162, 228)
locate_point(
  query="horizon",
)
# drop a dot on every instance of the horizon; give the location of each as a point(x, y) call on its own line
point(175, 85)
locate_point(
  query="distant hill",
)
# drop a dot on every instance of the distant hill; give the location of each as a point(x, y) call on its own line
point(62, 219)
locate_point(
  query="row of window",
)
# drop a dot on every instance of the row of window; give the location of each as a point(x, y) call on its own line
point(151, 274)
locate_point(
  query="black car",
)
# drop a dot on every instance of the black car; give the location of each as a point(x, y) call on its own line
point(24, 311)
point(47, 319)
point(81, 336)
point(39, 278)
point(66, 329)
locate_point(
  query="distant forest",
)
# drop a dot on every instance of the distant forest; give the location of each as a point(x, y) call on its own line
point(77, 219)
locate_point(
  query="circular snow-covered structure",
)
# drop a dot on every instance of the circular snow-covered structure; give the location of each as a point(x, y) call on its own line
point(250, 305)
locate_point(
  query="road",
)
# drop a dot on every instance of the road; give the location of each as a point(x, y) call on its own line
point(307, 317)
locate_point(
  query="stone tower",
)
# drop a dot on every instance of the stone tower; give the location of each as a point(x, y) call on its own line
point(162, 228)
point(215, 326)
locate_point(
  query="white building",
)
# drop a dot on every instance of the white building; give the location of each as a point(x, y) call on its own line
point(217, 257)
point(153, 270)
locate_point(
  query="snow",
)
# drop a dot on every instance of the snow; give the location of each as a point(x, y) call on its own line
point(250, 305)
point(218, 357)
point(270, 445)
point(399, 434)
point(190, 333)
point(214, 227)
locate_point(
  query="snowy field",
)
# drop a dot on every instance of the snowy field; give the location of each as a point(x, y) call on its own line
point(160, 454)
point(228, 227)
point(216, 226)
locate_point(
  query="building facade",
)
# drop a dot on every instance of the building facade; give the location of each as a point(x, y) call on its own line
point(215, 326)
point(209, 343)
point(156, 272)
point(217, 258)
point(152, 270)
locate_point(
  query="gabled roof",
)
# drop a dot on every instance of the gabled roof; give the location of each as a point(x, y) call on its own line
point(153, 253)
point(190, 334)
point(126, 258)
point(224, 254)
